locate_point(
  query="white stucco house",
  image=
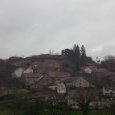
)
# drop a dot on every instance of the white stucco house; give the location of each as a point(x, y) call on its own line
point(61, 88)
point(108, 92)
point(20, 71)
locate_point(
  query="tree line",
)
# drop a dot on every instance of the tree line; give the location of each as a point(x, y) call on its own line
point(76, 55)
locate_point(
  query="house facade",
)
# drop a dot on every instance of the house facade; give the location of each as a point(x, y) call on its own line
point(81, 82)
point(20, 71)
point(78, 82)
point(61, 88)
point(108, 92)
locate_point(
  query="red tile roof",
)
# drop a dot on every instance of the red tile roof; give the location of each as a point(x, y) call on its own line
point(37, 79)
point(96, 69)
point(47, 64)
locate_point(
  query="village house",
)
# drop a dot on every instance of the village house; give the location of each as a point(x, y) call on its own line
point(36, 80)
point(109, 91)
point(33, 78)
point(58, 78)
point(78, 82)
point(61, 88)
point(18, 73)
point(22, 70)
point(93, 68)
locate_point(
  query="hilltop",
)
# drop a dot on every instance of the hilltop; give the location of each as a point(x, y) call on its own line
point(70, 63)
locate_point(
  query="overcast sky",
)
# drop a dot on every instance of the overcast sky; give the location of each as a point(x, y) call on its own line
point(29, 27)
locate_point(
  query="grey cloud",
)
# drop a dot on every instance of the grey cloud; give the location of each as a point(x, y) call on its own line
point(36, 26)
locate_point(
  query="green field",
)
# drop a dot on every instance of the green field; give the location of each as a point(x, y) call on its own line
point(52, 112)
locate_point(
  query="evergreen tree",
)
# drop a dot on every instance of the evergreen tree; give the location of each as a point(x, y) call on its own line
point(83, 55)
point(83, 52)
point(76, 51)
point(74, 48)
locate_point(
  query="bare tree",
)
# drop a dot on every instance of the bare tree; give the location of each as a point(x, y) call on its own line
point(109, 62)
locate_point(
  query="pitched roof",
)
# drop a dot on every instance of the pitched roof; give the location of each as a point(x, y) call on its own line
point(37, 79)
point(96, 69)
